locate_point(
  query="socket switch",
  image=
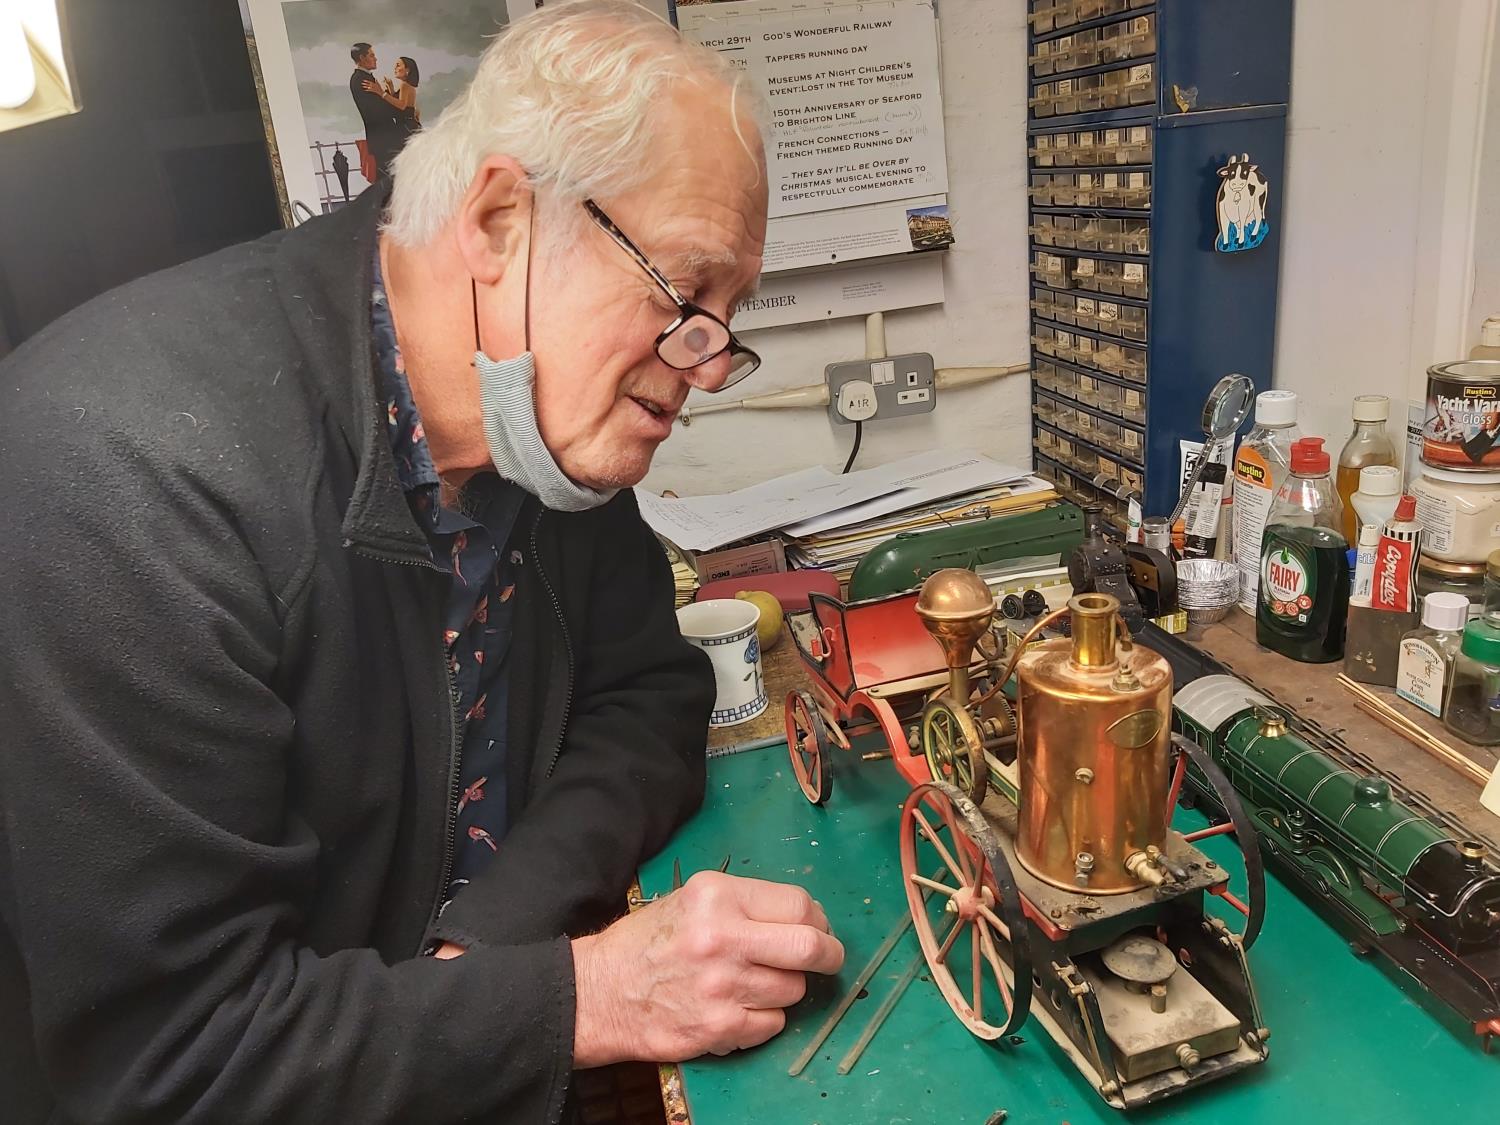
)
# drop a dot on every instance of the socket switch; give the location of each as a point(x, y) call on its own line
point(875, 389)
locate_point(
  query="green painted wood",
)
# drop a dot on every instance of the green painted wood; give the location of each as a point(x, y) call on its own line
point(1348, 1043)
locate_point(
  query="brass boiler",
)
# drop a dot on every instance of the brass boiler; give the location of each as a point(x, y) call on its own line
point(1095, 729)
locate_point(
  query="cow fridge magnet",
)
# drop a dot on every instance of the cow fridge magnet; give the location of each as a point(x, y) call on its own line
point(1240, 206)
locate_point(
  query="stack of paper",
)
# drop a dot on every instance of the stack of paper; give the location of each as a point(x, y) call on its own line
point(839, 548)
point(832, 520)
point(684, 577)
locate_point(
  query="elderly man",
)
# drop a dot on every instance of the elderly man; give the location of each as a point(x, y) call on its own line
point(329, 748)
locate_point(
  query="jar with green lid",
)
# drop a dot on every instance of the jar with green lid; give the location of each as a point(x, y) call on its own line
point(1472, 707)
point(1464, 579)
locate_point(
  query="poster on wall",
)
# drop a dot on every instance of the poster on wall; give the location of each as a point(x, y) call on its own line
point(855, 147)
point(857, 290)
point(344, 83)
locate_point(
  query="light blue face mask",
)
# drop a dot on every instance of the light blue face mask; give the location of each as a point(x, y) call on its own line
point(507, 391)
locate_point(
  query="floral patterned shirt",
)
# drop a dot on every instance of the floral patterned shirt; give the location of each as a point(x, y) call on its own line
point(469, 546)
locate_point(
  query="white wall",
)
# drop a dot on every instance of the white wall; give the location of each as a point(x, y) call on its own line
point(1486, 301)
point(984, 321)
point(1379, 254)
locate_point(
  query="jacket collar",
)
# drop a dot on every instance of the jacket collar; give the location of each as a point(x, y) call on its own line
point(324, 279)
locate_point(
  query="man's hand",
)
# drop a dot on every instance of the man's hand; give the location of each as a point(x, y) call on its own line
point(707, 969)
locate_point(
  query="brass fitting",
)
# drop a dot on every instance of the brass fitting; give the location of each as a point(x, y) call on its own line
point(1142, 868)
point(1187, 1057)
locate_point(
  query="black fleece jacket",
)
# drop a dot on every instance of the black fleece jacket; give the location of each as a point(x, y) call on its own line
point(227, 750)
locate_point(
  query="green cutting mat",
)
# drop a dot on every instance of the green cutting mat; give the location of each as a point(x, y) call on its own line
point(1347, 1043)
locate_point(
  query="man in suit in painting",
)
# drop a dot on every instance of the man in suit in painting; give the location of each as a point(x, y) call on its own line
point(383, 134)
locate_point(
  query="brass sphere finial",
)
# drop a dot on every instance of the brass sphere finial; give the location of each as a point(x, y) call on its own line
point(957, 607)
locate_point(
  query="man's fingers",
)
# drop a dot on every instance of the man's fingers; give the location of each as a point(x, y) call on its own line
point(755, 1028)
point(800, 948)
point(760, 987)
point(764, 901)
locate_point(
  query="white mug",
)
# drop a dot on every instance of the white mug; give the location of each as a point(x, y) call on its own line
point(725, 629)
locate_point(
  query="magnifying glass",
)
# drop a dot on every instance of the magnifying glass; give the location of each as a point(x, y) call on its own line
point(1224, 412)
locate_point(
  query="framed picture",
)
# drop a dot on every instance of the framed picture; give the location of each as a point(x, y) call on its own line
point(343, 83)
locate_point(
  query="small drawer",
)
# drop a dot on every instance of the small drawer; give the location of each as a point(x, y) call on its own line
point(1065, 231)
point(1085, 150)
point(1133, 405)
point(1135, 190)
point(1133, 279)
point(1131, 480)
point(1110, 237)
point(1045, 408)
point(1107, 396)
point(1041, 150)
point(1132, 322)
point(1042, 231)
point(1107, 278)
point(1130, 443)
point(1137, 37)
point(1043, 15)
point(1135, 236)
point(1043, 60)
point(1065, 382)
point(1090, 92)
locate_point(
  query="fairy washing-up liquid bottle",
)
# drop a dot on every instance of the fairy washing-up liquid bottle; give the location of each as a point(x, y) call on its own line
point(1304, 569)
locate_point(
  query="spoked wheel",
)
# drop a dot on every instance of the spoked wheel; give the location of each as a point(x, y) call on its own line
point(809, 745)
point(954, 747)
point(968, 919)
point(1253, 905)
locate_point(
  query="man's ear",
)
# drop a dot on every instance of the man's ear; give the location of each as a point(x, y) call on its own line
point(494, 219)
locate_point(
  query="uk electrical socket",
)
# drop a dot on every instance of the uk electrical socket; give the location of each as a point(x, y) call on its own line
point(864, 390)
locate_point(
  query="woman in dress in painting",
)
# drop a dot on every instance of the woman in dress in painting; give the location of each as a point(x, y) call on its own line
point(402, 94)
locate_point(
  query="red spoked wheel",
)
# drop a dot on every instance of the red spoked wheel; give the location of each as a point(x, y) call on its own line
point(1234, 821)
point(808, 744)
point(969, 919)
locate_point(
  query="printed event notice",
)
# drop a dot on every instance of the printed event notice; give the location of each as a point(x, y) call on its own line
point(856, 113)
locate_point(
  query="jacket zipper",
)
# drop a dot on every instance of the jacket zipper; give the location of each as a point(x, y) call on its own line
point(455, 755)
point(567, 644)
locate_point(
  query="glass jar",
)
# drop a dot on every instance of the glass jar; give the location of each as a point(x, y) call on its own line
point(1492, 588)
point(1466, 579)
point(1472, 707)
point(1459, 513)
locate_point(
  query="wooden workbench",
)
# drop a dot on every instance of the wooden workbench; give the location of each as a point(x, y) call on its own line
point(1312, 690)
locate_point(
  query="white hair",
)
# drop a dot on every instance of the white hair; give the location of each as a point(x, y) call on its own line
point(573, 92)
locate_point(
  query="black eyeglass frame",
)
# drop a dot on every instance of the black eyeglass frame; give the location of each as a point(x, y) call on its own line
point(686, 309)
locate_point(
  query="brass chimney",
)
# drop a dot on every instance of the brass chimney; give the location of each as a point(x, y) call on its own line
point(957, 608)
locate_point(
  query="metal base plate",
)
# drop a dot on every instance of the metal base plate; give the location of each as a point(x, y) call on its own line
point(1073, 910)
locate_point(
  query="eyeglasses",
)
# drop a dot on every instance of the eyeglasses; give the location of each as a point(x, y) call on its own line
point(696, 336)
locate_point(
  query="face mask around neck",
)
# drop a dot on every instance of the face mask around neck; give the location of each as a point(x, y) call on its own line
point(507, 392)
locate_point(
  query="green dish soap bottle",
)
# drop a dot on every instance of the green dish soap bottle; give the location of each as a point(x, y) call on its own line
point(1304, 567)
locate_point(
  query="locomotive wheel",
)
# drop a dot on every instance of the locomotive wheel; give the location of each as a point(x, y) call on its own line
point(808, 744)
point(972, 913)
point(1253, 906)
point(954, 748)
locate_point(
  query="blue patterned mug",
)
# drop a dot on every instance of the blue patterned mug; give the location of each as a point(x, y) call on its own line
point(725, 629)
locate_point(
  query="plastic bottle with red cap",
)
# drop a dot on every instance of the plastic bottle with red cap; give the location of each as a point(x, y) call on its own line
point(1304, 569)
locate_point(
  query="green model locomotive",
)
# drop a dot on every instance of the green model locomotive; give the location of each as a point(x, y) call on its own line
point(1397, 879)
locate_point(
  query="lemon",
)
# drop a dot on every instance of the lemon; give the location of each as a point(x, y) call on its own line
point(769, 627)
